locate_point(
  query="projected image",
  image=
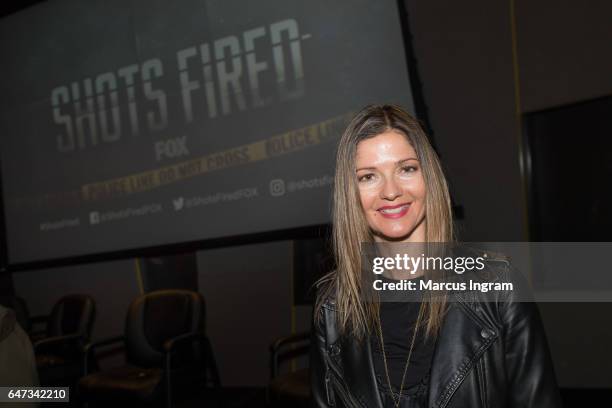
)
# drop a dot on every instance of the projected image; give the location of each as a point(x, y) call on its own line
point(129, 125)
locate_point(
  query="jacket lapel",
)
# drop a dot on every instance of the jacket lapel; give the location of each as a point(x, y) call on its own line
point(359, 370)
point(463, 338)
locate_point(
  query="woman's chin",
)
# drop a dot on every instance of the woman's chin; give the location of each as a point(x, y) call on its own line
point(393, 236)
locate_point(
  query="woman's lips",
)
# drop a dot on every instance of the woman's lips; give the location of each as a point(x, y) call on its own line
point(394, 212)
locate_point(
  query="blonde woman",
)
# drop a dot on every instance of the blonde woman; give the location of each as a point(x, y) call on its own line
point(436, 352)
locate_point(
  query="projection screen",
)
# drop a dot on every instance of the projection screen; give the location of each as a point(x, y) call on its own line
point(131, 124)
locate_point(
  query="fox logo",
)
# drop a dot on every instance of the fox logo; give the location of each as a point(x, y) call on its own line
point(178, 203)
point(171, 148)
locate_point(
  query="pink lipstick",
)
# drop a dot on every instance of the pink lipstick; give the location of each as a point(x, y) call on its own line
point(396, 211)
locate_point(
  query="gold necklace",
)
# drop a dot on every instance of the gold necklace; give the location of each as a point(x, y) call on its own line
point(382, 347)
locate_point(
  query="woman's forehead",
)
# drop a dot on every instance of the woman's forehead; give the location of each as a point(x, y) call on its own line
point(385, 147)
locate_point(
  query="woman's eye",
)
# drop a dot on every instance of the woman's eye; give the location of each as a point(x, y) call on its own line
point(409, 169)
point(365, 177)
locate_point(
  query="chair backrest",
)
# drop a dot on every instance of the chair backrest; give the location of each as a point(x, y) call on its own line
point(158, 316)
point(20, 308)
point(72, 314)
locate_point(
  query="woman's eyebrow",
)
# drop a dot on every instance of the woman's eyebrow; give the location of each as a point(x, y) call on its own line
point(398, 163)
point(408, 159)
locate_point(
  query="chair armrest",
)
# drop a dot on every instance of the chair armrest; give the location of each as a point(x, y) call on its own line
point(57, 340)
point(293, 338)
point(170, 344)
point(278, 344)
point(106, 342)
point(206, 349)
point(89, 348)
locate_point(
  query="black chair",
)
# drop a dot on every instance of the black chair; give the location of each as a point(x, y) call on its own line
point(59, 354)
point(167, 353)
point(290, 389)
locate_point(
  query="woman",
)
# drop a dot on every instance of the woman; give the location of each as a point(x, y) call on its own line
point(438, 352)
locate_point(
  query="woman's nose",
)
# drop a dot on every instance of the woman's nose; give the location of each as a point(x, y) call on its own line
point(391, 190)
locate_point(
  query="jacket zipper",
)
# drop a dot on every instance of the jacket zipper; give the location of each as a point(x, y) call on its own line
point(345, 394)
point(482, 385)
point(340, 386)
point(330, 393)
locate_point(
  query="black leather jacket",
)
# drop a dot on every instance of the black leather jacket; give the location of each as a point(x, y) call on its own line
point(488, 354)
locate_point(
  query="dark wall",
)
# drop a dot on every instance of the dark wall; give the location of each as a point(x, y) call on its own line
point(564, 51)
point(464, 53)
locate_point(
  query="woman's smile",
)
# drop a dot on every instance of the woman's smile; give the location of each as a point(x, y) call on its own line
point(396, 211)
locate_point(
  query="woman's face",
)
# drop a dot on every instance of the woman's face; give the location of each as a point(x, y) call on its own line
point(391, 188)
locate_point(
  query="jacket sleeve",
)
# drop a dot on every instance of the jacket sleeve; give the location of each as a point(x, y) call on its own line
point(529, 368)
point(322, 393)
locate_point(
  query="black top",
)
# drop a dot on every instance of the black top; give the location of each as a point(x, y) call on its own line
point(397, 323)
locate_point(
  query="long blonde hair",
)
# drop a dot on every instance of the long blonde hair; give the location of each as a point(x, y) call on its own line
point(350, 228)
